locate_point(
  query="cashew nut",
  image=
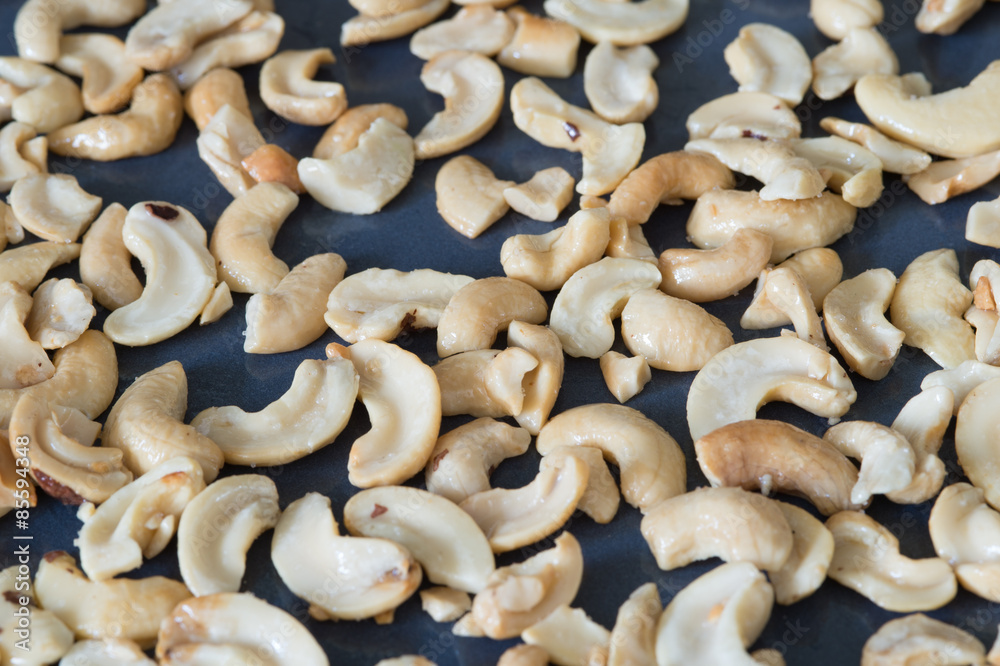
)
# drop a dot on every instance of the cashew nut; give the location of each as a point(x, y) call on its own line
point(48, 639)
point(628, 242)
point(540, 46)
point(945, 179)
point(250, 40)
point(920, 639)
point(541, 385)
point(547, 261)
point(782, 297)
point(39, 25)
point(363, 29)
point(836, 18)
point(945, 18)
point(108, 651)
point(524, 655)
point(888, 462)
point(11, 496)
point(621, 23)
point(469, 197)
point(838, 67)
point(504, 378)
point(812, 551)
point(483, 308)
point(855, 173)
point(14, 163)
point(25, 361)
point(784, 174)
point(105, 262)
point(167, 34)
point(342, 136)
point(288, 89)
point(633, 638)
point(48, 100)
point(601, 499)
point(983, 223)
point(544, 196)
point(463, 458)
point(462, 379)
point(445, 604)
point(224, 142)
point(964, 528)
point(53, 206)
point(961, 379)
point(765, 58)
point(710, 275)
point(974, 425)
point(625, 376)
point(569, 637)
point(757, 115)
point(479, 28)
point(214, 90)
point(896, 157)
point(108, 76)
point(619, 83)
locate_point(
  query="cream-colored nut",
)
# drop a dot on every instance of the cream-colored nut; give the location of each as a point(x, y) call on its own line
point(715, 618)
point(109, 651)
point(672, 333)
point(866, 559)
point(343, 578)
point(596, 294)
point(147, 127)
point(792, 225)
point(765, 58)
point(14, 164)
point(519, 595)
point(628, 242)
point(619, 83)
point(972, 117)
point(366, 178)
point(777, 456)
point(625, 376)
point(710, 275)
point(25, 361)
point(224, 142)
point(469, 197)
point(945, 18)
point(214, 90)
point(838, 67)
point(854, 172)
point(544, 196)
point(982, 225)
point(10, 495)
point(569, 637)
point(650, 462)
point(812, 551)
point(785, 175)
point(920, 639)
point(129, 608)
point(47, 99)
point(145, 423)
point(108, 76)
point(48, 638)
point(945, 179)
point(384, 8)
point(888, 462)
point(35, 151)
point(105, 262)
point(541, 385)
point(963, 529)
point(229, 628)
point(445, 604)
point(821, 269)
point(483, 308)
point(782, 297)
point(547, 261)
point(601, 499)
point(85, 378)
point(217, 528)
point(252, 39)
point(728, 523)
point(463, 458)
point(961, 379)
point(540, 46)
point(462, 381)
point(288, 89)
point(609, 151)
point(836, 18)
point(524, 655)
point(928, 305)
point(757, 115)
point(342, 136)
point(855, 321)
point(504, 378)
point(53, 206)
point(621, 23)
point(896, 157)
point(740, 379)
point(39, 26)
point(479, 28)
point(170, 243)
point(363, 29)
point(310, 415)
point(633, 638)
point(61, 458)
point(219, 304)
point(139, 519)
point(403, 401)
point(445, 540)
point(974, 425)
point(923, 421)
point(167, 35)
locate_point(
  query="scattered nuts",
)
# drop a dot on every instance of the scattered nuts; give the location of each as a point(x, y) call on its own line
point(53, 206)
point(250, 40)
point(214, 90)
point(105, 262)
point(963, 528)
point(167, 34)
point(479, 28)
point(625, 376)
point(342, 136)
point(469, 197)
point(836, 18)
point(744, 114)
point(918, 638)
point(785, 175)
point(540, 46)
point(108, 76)
point(621, 23)
point(483, 308)
point(619, 83)
point(812, 551)
point(887, 460)
point(765, 58)
point(710, 275)
point(547, 261)
point(47, 99)
point(38, 26)
point(945, 179)
point(569, 637)
point(838, 67)
point(445, 604)
point(896, 157)
point(364, 29)
point(288, 89)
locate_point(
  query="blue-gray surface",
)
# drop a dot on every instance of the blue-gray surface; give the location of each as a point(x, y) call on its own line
point(827, 628)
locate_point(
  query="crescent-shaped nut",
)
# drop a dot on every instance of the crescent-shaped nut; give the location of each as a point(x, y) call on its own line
point(728, 523)
point(672, 333)
point(964, 530)
point(757, 115)
point(38, 26)
point(364, 29)
point(463, 458)
point(217, 528)
point(483, 308)
point(170, 244)
point(836, 18)
point(53, 206)
point(710, 275)
point(792, 225)
point(888, 462)
point(129, 608)
point(462, 379)
point(445, 540)
point(812, 551)
point(47, 99)
point(469, 196)
point(609, 151)
point(108, 77)
point(166, 35)
point(625, 376)
point(342, 136)
point(109, 651)
point(569, 636)
point(250, 40)
point(403, 401)
point(540, 46)
point(601, 499)
point(147, 127)
point(366, 178)
point(838, 67)
point(945, 179)
point(923, 421)
point(960, 380)
point(139, 519)
point(740, 379)
point(479, 28)
point(945, 18)
point(519, 595)
point(920, 639)
point(854, 172)
point(621, 23)
point(288, 89)
point(715, 618)
point(866, 559)
point(14, 162)
point(855, 321)
point(896, 157)
point(105, 262)
point(928, 305)
point(227, 139)
point(633, 638)
point(596, 294)
point(765, 58)
point(777, 456)
point(619, 83)
point(785, 175)
point(975, 426)
point(238, 626)
point(541, 385)
point(650, 463)
point(25, 361)
point(343, 578)
point(213, 91)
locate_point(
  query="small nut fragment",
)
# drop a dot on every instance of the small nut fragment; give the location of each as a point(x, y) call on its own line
point(214, 90)
point(108, 76)
point(619, 83)
point(224, 142)
point(888, 462)
point(273, 164)
point(364, 29)
point(765, 58)
point(963, 529)
point(53, 206)
point(46, 99)
point(785, 175)
point(166, 35)
point(61, 311)
point(945, 18)
point(836, 18)
point(569, 636)
point(540, 46)
point(838, 67)
point(469, 197)
point(896, 157)
point(481, 309)
point(982, 225)
point(710, 275)
point(105, 262)
point(445, 604)
point(625, 376)
point(855, 321)
point(479, 28)
point(852, 171)
point(547, 261)
point(945, 179)
point(463, 458)
point(621, 23)
point(544, 196)
point(757, 115)
point(342, 136)
point(288, 89)
point(920, 639)
point(250, 40)
point(812, 551)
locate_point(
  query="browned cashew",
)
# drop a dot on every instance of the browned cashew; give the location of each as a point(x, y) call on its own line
point(213, 91)
point(709, 275)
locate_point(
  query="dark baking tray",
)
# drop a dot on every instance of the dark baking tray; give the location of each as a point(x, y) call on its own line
point(827, 628)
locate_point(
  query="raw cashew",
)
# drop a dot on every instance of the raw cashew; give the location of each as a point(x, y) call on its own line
point(625, 376)
point(540, 46)
point(756, 115)
point(963, 529)
point(288, 89)
point(960, 380)
point(53, 206)
point(463, 458)
point(945, 18)
point(896, 157)
point(836, 18)
point(920, 639)
point(547, 261)
point(541, 385)
point(975, 424)
point(710, 275)
point(463, 379)
point(782, 297)
point(633, 638)
point(214, 90)
point(838, 67)
point(224, 142)
point(105, 262)
point(47, 99)
point(479, 28)
point(469, 196)
point(39, 25)
point(61, 310)
point(108, 77)
point(544, 196)
point(812, 551)
point(483, 308)
point(601, 498)
point(945, 179)
point(363, 29)
point(621, 23)
point(25, 361)
point(14, 163)
point(250, 40)
point(888, 462)
point(785, 175)
point(765, 58)
point(855, 321)
point(166, 35)
point(922, 421)
point(628, 242)
point(569, 637)
point(853, 172)
point(619, 83)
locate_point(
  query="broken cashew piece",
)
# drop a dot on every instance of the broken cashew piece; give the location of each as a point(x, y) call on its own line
point(53, 206)
point(253, 38)
point(983, 223)
point(479, 28)
point(633, 638)
point(60, 312)
point(785, 174)
point(854, 172)
point(469, 196)
point(758, 115)
point(854, 312)
point(836, 18)
point(945, 18)
point(225, 141)
point(821, 269)
point(463, 458)
point(963, 528)
point(166, 35)
point(601, 499)
point(48, 99)
point(483, 308)
point(945, 179)
point(629, 242)
point(625, 376)
point(108, 76)
point(920, 639)
point(896, 157)
point(342, 136)
point(812, 551)
point(765, 58)
point(288, 89)
point(621, 23)
point(214, 90)
point(569, 637)
point(445, 604)
point(541, 385)
point(619, 83)
point(25, 362)
point(788, 301)
point(105, 262)
point(888, 462)
point(923, 421)
point(710, 275)
point(544, 196)
point(540, 46)
point(838, 67)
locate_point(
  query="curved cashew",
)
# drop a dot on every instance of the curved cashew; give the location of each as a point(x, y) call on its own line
point(129, 608)
point(856, 323)
point(896, 157)
point(928, 305)
point(728, 523)
point(108, 76)
point(672, 333)
point(946, 18)
point(569, 636)
point(540, 46)
point(812, 551)
point(363, 29)
point(757, 115)
point(633, 638)
point(48, 638)
point(785, 175)
point(53, 206)
point(342, 136)
point(821, 269)
point(945, 179)
point(288, 89)
point(519, 595)
point(462, 379)
point(214, 90)
point(619, 83)
point(14, 162)
point(782, 297)
point(49, 100)
point(964, 530)
point(504, 378)
point(737, 381)
point(445, 540)
point(961, 379)
point(836, 18)
point(226, 140)
point(710, 275)
point(463, 458)
point(920, 639)
point(478, 28)
point(792, 225)
point(235, 628)
point(596, 294)
point(149, 126)
point(217, 528)
point(343, 578)
point(250, 40)
point(609, 151)
point(601, 498)
point(109, 651)
point(777, 456)
point(25, 361)
point(855, 173)
point(167, 34)
point(866, 559)
point(105, 262)
point(541, 385)
point(180, 274)
point(39, 25)
point(650, 462)
point(888, 462)
point(625, 376)
point(974, 427)
point(765, 58)
point(469, 196)
point(838, 67)
point(923, 421)
point(621, 23)
point(483, 308)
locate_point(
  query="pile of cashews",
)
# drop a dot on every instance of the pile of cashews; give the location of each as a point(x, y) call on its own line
point(154, 477)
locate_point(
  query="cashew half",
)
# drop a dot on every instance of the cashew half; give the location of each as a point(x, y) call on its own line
point(463, 458)
point(25, 362)
point(105, 262)
point(48, 101)
point(765, 58)
point(757, 115)
point(14, 163)
point(38, 26)
point(224, 142)
point(621, 23)
point(342, 136)
point(540, 46)
point(541, 385)
point(964, 530)
point(108, 651)
point(214, 90)
point(483, 308)
point(836, 18)
point(838, 67)
point(787, 301)
point(544, 196)
point(469, 196)
point(569, 637)
point(252, 39)
point(920, 639)
point(633, 638)
point(888, 462)
point(61, 311)
point(625, 376)
point(619, 83)
point(945, 179)
point(479, 28)
point(462, 379)
point(896, 157)
point(166, 35)
point(29, 636)
point(363, 29)
point(785, 175)
point(812, 551)
point(108, 76)
point(288, 89)
point(855, 321)
point(601, 498)
point(975, 426)
point(53, 206)
point(983, 223)
point(710, 275)
point(855, 173)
